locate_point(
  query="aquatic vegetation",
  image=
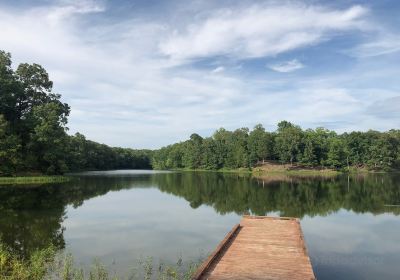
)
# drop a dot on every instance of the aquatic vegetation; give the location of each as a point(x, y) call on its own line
point(35, 267)
point(48, 264)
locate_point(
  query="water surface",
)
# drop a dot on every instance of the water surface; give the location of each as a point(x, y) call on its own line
point(351, 224)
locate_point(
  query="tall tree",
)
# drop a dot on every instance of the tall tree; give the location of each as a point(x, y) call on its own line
point(337, 154)
point(48, 140)
point(10, 89)
point(288, 141)
point(260, 144)
point(309, 156)
point(239, 148)
point(9, 149)
point(382, 152)
point(193, 155)
point(210, 159)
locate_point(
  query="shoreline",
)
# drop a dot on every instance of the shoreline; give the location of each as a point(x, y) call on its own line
point(256, 172)
point(294, 172)
point(26, 180)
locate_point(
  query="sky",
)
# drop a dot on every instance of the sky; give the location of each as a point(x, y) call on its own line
point(145, 74)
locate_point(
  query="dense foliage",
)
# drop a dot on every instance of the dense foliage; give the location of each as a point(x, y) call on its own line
point(33, 129)
point(14, 267)
point(243, 148)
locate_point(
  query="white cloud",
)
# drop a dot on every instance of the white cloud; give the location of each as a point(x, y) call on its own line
point(287, 66)
point(260, 31)
point(218, 69)
point(383, 44)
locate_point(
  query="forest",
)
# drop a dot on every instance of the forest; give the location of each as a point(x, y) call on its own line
point(33, 131)
point(290, 144)
point(34, 139)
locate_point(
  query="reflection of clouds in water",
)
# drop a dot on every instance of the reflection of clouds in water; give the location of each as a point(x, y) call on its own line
point(347, 232)
point(346, 245)
point(132, 224)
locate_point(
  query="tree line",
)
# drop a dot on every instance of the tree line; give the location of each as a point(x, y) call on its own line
point(33, 131)
point(289, 144)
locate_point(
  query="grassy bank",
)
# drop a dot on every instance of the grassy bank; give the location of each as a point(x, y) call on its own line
point(48, 264)
point(300, 173)
point(33, 180)
point(257, 171)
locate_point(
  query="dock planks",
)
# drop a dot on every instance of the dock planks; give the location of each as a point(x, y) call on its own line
point(260, 248)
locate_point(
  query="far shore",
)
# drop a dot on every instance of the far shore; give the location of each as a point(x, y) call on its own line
point(42, 179)
point(272, 169)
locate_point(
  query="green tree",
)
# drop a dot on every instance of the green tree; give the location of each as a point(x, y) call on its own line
point(382, 152)
point(260, 144)
point(337, 154)
point(309, 156)
point(175, 156)
point(9, 148)
point(49, 137)
point(10, 89)
point(192, 157)
point(222, 139)
point(239, 148)
point(315, 146)
point(210, 155)
point(395, 136)
point(288, 141)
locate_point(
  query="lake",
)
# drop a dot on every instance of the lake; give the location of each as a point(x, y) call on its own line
point(351, 224)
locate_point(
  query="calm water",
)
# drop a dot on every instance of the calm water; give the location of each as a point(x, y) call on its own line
point(351, 225)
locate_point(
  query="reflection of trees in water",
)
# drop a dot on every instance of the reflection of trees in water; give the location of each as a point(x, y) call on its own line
point(31, 217)
point(295, 197)
point(24, 231)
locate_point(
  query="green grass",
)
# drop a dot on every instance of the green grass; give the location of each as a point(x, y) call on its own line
point(13, 267)
point(33, 180)
point(48, 264)
point(364, 170)
point(257, 172)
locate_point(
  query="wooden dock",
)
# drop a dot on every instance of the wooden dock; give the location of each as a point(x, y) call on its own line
point(260, 248)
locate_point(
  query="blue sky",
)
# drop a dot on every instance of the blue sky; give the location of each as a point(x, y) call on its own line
point(145, 74)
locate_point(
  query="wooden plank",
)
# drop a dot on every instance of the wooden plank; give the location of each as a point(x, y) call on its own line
point(214, 255)
point(260, 248)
